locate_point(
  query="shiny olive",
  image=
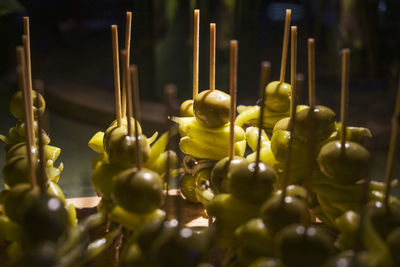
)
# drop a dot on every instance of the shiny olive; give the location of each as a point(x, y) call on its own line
point(295, 191)
point(138, 191)
point(17, 134)
point(18, 199)
point(17, 104)
point(384, 219)
point(277, 214)
point(393, 241)
point(113, 133)
point(266, 262)
point(45, 219)
point(16, 169)
point(278, 96)
point(323, 123)
point(176, 246)
point(186, 109)
point(301, 246)
point(219, 175)
point(345, 167)
point(254, 235)
point(122, 151)
point(248, 185)
point(346, 258)
point(211, 108)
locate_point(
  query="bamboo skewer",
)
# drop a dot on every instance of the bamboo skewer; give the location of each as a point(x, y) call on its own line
point(232, 88)
point(28, 88)
point(392, 147)
point(266, 69)
point(128, 30)
point(212, 56)
point(344, 94)
point(293, 104)
point(125, 71)
point(285, 45)
point(42, 177)
point(136, 110)
point(117, 82)
point(28, 132)
point(311, 72)
point(196, 30)
point(27, 47)
point(263, 76)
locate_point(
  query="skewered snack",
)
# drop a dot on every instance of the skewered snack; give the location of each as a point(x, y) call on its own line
point(278, 94)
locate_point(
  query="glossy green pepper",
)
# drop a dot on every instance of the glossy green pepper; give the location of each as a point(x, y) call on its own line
point(17, 104)
point(278, 96)
point(186, 109)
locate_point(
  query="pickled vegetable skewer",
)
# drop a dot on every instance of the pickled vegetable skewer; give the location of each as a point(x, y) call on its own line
point(117, 82)
point(285, 45)
point(392, 147)
point(28, 129)
point(128, 30)
point(212, 56)
point(293, 104)
point(232, 90)
point(265, 71)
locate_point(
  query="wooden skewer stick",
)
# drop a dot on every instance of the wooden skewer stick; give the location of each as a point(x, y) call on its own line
point(27, 47)
point(311, 72)
point(263, 76)
point(117, 82)
point(300, 85)
point(344, 94)
point(42, 177)
point(267, 70)
point(285, 45)
point(136, 110)
point(392, 147)
point(232, 90)
point(293, 105)
point(28, 91)
point(196, 30)
point(125, 71)
point(212, 56)
point(29, 139)
point(128, 30)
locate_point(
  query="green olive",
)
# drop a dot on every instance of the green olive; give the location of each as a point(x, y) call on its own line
point(122, 152)
point(393, 241)
point(384, 219)
point(18, 199)
point(186, 109)
point(295, 191)
point(45, 219)
point(219, 175)
point(324, 123)
point(278, 96)
point(211, 108)
point(176, 246)
point(114, 133)
point(138, 191)
point(277, 214)
point(17, 105)
point(16, 169)
point(254, 235)
point(301, 246)
point(248, 185)
point(345, 167)
point(266, 262)
point(346, 258)
point(17, 134)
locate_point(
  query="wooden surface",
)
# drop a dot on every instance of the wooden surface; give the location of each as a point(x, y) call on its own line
point(192, 214)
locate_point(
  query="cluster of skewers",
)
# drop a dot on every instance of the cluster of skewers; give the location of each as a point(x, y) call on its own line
point(302, 198)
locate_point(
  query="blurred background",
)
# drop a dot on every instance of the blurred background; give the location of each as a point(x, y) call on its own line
point(72, 53)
